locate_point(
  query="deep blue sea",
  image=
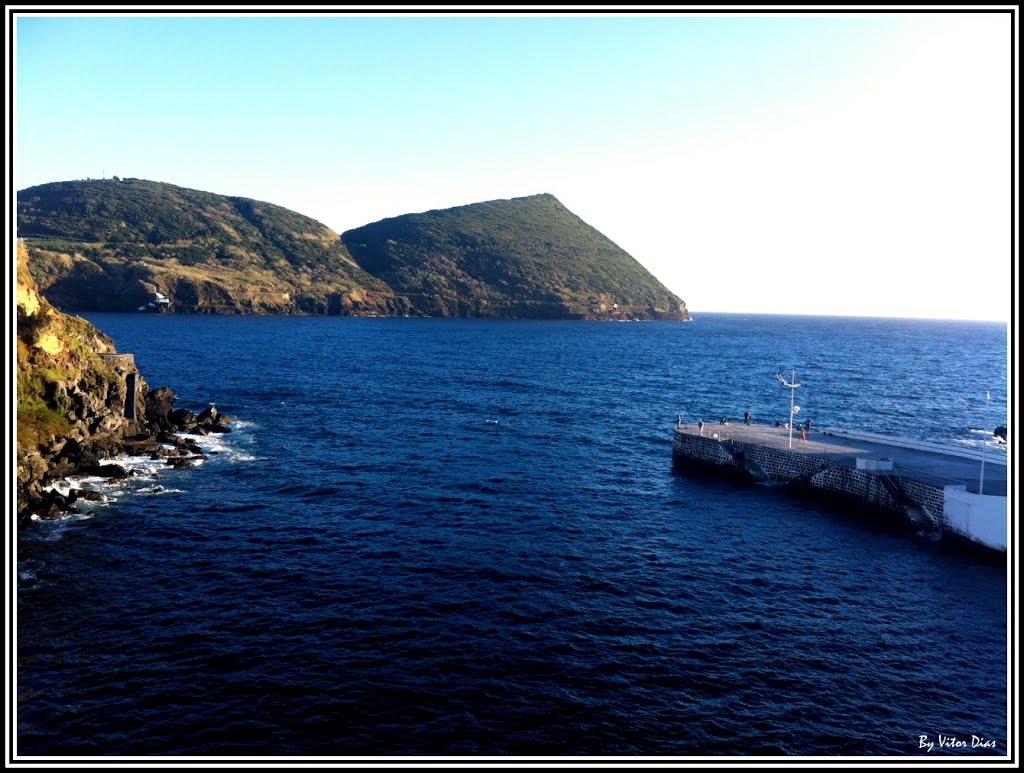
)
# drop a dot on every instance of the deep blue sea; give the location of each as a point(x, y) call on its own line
point(466, 537)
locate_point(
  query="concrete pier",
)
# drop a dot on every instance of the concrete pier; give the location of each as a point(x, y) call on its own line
point(934, 487)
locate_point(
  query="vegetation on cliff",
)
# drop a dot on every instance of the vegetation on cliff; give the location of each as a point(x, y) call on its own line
point(122, 245)
point(117, 245)
point(523, 257)
point(58, 364)
point(76, 407)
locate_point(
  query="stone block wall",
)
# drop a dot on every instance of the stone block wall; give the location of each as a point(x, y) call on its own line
point(820, 473)
point(933, 498)
point(777, 464)
point(708, 451)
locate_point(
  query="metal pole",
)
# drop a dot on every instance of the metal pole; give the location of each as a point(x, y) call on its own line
point(984, 419)
point(981, 480)
point(792, 399)
point(984, 426)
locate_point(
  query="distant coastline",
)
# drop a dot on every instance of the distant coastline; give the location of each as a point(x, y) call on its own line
point(142, 246)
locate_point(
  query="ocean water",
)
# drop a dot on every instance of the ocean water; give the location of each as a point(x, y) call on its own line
point(464, 537)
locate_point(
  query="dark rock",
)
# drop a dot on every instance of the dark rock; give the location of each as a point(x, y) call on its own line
point(207, 415)
point(137, 437)
point(105, 471)
point(60, 468)
point(47, 510)
point(181, 463)
point(56, 446)
point(76, 456)
point(183, 418)
point(51, 504)
point(1000, 432)
point(107, 448)
point(220, 428)
point(56, 498)
point(87, 458)
point(159, 402)
point(69, 449)
point(140, 445)
point(91, 495)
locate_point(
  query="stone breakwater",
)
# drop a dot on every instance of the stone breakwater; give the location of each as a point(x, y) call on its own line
point(834, 476)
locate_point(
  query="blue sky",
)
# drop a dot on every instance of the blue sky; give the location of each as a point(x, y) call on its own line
point(837, 164)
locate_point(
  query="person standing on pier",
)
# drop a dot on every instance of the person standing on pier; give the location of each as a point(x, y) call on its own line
point(803, 434)
point(746, 417)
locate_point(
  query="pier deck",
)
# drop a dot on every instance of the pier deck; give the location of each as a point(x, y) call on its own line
point(930, 466)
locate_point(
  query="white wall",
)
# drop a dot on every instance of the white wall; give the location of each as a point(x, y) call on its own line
point(982, 518)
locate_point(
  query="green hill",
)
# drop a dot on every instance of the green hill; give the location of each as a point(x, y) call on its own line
point(525, 257)
point(117, 245)
point(122, 245)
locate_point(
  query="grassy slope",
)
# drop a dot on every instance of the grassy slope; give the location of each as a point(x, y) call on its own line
point(506, 254)
point(54, 350)
point(112, 244)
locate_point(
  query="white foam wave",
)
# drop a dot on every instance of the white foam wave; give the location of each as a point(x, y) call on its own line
point(88, 480)
point(63, 518)
point(62, 487)
point(208, 443)
point(241, 456)
point(980, 438)
point(225, 445)
point(136, 466)
point(154, 490)
point(985, 433)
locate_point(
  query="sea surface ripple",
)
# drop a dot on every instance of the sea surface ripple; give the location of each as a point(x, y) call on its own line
point(442, 537)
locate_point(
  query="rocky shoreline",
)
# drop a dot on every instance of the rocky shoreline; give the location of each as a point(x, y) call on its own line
point(158, 436)
point(82, 405)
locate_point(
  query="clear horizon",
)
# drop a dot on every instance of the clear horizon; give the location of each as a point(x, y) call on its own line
point(833, 164)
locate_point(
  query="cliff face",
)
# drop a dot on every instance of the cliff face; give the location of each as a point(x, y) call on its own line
point(73, 403)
